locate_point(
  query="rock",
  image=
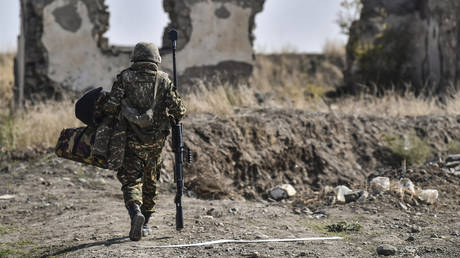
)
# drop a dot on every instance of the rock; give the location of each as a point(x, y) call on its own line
point(428, 196)
point(453, 157)
point(363, 196)
point(406, 186)
point(410, 239)
point(281, 192)
point(340, 192)
point(297, 211)
point(403, 206)
point(7, 196)
point(320, 216)
point(82, 180)
point(452, 164)
point(415, 229)
point(353, 196)
point(307, 211)
point(100, 181)
point(386, 250)
point(380, 184)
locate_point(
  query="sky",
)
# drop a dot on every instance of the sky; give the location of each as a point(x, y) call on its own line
point(301, 25)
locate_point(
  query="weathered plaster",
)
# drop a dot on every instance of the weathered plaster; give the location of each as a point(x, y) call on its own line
point(75, 61)
point(215, 40)
point(65, 50)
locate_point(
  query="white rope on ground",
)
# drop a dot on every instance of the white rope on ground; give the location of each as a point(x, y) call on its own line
point(240, 241)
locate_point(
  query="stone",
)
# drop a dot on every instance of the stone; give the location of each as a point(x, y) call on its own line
point(403, 206)
point(406, 186)
point(428, 196)
point(353, 196)
point(363, 196)
point(283, 191)
point(415, 229)
point(410, 239)
point(386, 250)
point(452, 164)
point(7, 196)
point(453, 157)
point(340, 192)
point(380, 184)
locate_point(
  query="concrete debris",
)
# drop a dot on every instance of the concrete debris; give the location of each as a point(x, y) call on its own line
point(7, 196)
point(406, 186)
point(281, 192)
point(380, 184)
point(356, 196)
point(340, 192)
point(386, 250)
point(364, 195)
point(428, 196)
point(452, 164)
point(453, 157)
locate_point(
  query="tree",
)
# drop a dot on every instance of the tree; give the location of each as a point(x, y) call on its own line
point(350, 12)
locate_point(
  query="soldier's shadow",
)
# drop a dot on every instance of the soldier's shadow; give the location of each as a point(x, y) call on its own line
point(108, 242)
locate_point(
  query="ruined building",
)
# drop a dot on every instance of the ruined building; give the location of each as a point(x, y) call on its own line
point(407, 44)
point(62, 47)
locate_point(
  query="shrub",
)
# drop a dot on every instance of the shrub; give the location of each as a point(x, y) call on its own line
point(408, 147)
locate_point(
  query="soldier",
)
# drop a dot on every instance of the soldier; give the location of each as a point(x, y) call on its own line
point(145, 99)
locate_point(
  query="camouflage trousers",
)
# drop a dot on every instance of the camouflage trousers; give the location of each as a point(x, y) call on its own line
point(139, 174)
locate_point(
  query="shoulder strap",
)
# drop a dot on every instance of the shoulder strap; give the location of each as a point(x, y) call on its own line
point(155, 90)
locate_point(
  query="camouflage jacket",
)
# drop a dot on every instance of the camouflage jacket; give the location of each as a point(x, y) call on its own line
point(147, 99)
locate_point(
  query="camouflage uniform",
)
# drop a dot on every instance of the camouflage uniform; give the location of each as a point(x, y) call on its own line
point(147, 100)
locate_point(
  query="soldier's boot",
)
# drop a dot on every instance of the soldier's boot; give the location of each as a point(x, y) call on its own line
point(146, 230)
point(137, 221)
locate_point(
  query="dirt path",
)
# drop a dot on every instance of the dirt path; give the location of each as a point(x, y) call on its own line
point(61, 208)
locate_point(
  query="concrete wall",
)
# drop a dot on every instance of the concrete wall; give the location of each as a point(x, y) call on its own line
point(65, 51)
point(215, 38)
point(406, 41)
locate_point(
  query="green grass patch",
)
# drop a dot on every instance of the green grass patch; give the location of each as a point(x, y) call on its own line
point(21, 243)
point(6, 230)
point(6, 252)
point(408, 147)
point(320, 226)
point(343, 226)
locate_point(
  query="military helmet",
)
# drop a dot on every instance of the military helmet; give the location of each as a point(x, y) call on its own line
point(146, 52)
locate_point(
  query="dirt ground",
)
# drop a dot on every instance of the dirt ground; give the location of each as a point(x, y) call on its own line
point(64, 209)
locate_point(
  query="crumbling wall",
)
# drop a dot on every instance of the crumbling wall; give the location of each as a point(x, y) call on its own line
point(215, 38)
point(65, 50)
point(405, 42)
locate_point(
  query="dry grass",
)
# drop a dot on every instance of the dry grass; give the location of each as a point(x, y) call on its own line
point(221, 101)
point(37, 126)
point(276, 85)
point(6, 79)
point(334, 48)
